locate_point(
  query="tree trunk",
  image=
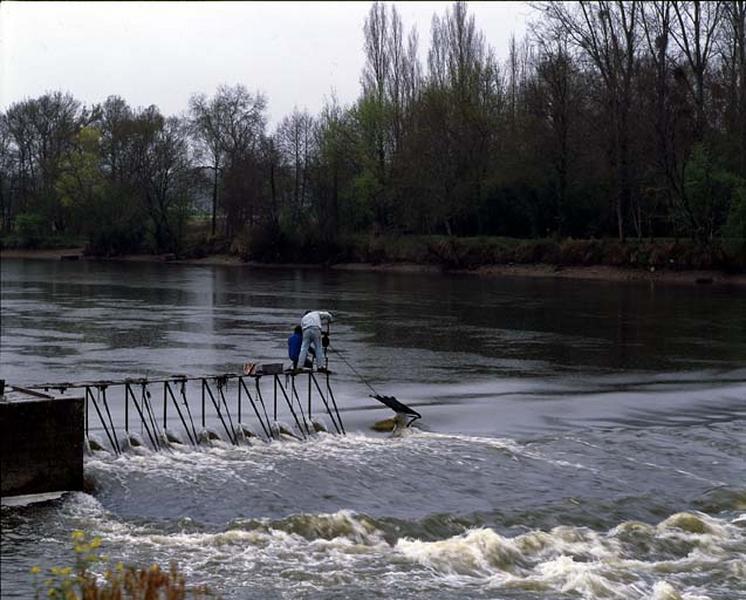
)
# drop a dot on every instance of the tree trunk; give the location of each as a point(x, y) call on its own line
point(273, 191)
point(214, 197)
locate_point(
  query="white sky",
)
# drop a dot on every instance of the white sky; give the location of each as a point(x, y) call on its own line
point(162, 52)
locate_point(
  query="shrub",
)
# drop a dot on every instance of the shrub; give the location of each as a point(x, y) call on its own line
point(575, 252)
point(119, 582)
point(448, 252)
point(114, 240)
point(735, 230)
point(31, 229)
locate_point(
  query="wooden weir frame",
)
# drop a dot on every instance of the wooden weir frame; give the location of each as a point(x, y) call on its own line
point(212, 387)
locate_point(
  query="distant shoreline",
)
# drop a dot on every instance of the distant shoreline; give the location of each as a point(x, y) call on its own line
point(699, 278)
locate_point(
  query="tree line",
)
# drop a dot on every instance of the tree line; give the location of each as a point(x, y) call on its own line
point(608, 119)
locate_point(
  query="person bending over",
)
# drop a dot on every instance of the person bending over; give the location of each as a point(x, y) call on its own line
point(311, 326)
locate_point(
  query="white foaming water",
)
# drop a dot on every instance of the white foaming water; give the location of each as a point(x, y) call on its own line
point(256, 454)
point(478, 553)
point(580, 561)
point(321, 547)
point(662, 590)
point(564, 560)
point(349, 449)
point(310, 551)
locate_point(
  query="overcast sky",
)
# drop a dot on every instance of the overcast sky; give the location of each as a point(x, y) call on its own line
point(162, 52)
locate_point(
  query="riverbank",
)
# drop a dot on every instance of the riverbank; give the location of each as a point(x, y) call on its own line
point(540, 270)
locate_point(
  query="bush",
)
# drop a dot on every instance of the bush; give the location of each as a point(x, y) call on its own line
point(30, 229)
point(451, 253)
point(119, 582)
point(734, 232)
point(280, 242)
point(273, 242)
point(114, 240)
point(261, 242)
point(536, 251)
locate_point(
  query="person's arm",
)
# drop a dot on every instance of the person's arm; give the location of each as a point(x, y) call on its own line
point(325, 316)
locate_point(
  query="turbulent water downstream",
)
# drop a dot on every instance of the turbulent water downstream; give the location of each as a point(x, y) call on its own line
point(579, 439)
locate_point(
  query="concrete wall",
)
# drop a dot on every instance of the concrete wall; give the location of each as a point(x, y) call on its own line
point(42, 446)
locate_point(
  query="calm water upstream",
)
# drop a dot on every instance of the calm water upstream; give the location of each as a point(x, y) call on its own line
point(579, 439)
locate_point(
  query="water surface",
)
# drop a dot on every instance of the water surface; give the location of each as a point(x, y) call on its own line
point(579, 439)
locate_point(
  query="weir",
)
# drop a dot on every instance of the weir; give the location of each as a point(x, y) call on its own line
point(194, 410)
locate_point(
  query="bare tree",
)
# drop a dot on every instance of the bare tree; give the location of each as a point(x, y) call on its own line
point(115, 125)
point(658, 19)
point(295, 143)
point(227, 127)
point(8, 172)
point(695, 34)
point(607, 34)
point(412, 71)
point(208, 132)
point(733, 51)
point(164, 174)
point(395, 88)
point(456, 116)
point(377, 62)
point(556, 99)
point(41, 130)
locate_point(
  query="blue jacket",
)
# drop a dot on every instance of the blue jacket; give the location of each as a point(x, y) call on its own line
point(294, 343)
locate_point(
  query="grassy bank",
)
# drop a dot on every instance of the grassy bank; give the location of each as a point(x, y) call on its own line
point(475, 252)
point(455, 253)
point(14, 241)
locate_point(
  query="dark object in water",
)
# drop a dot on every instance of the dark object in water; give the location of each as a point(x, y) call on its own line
point(94, 444)
point(172, 438)
point(398, 407)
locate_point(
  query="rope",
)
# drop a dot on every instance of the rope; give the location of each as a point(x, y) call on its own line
point(353, 369)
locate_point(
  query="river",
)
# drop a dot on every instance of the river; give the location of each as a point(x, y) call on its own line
point(579, 439)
